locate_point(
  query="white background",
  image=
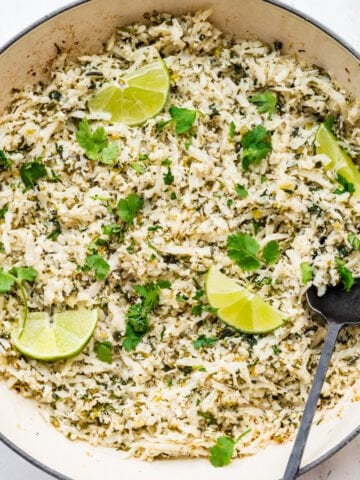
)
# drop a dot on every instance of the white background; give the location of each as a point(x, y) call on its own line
point(342, 16)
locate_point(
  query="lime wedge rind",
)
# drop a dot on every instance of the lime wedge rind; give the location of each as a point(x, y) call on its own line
point(239, 308)
point(67, 336)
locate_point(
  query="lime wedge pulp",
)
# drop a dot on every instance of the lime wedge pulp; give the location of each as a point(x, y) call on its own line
point(144, 95)
point(62, 336)
point(339, 160)
point(240, 308)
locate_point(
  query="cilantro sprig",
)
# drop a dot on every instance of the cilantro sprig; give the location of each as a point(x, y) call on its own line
point(129, 207)
point(346, 187)
point(97, 264)
point(245, 250)
point(16, 277)
point(256, 145)
point(265, 102)
point(96, 144)
point(183, 118)
point(222, 452)
point(137, 317)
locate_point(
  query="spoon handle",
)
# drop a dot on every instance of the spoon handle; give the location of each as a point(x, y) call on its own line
point(293, 465)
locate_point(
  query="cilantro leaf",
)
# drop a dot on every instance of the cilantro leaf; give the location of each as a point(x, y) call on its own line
point(137, 321)
point(232, 129)
point(111, 229)
point(345, 274)
point(264, 102)
point(6, 281)
point(242, 248)
point(345, 185)
point(31, 172)
point(103, 351)
point(306, 272)
point(353, 240)
point(56, 232)
point(271, 252)
point(204, 341)
point(5, 163)
point(209, 417)
point(3, 210)
point(96, 144)
point(97, 263)
point(222, 451)
point(183, 117)
point(161, 125)
point(138, 167)
point(168, 176)
point(241, 191)
point(24, 273)
point(129, 207)
point(256, 145)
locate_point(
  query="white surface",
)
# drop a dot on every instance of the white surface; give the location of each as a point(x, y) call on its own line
point(20, 13)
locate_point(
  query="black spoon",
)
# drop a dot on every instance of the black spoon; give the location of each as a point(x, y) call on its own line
point(338, 308)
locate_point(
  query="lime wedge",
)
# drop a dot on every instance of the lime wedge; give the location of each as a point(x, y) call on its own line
point(144, 95)
point(339, 160)
point(62, 336)
point(240, 308)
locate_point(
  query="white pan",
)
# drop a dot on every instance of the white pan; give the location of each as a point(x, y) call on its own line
point(82, 28)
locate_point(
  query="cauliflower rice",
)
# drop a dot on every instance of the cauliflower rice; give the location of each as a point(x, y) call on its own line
point(167, 398)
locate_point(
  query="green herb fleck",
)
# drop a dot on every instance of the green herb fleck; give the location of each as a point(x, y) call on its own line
point(306, 272)
point(56, 232)
point(204, 341)
point(352, 239)
point(209, 417)
point(276, 350)
point(265, 102)
point(256, 145)
point(241, 191)
point(232, 129)
point(346, 187)
point(5, 163)
point(103, 351)
point(96, 144)
point(31, 172)
point(3, 210)
point(168, 176)
point(138, 167)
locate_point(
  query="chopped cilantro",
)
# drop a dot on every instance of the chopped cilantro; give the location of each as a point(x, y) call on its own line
point(346, 187)
point(129, 207)
point(306, 272)
point(111, 229)
point(352, 239)
point(56, 232)
point(173, 196)
point(154, 228)
point(98, 264)
point(5, 163)
point(137, 321)
point(204, 341)
point(138, 167)
point(181, 298)
point(241, 191)
point(3, 210)
point(209, 417)
point(17, 276)
point(229, 202)
point(198, 294)
point(183, 117)
point(103, 351)
point(345, 274)
point(31, 172)
point(271, 252)
point(222, 451)
point(187, 143)
point(265, 102)
point(96, 144)
point(168, 176)
point(143, 157)
point(276, 350)
point(256, 145)
point(232, 129)
point(161, 125)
